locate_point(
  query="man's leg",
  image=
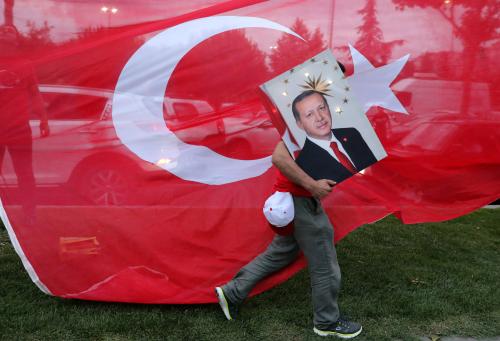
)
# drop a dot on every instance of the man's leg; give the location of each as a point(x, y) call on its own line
point(281, 252)
point(2, 154)
point(22, 160)
point(314, 234)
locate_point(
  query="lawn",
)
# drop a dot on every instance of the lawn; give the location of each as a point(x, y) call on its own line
point(399, 281)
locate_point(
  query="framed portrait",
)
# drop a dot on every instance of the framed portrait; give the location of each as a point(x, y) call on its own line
point(327, 131)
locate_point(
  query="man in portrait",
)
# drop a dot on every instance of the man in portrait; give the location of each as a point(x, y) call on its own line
point(328, 153)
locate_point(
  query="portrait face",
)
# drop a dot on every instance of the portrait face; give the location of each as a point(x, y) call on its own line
point(314, 116)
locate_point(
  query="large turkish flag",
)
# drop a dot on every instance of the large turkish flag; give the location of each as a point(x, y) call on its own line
point(134, 144)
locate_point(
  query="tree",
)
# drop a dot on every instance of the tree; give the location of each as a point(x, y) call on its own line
point(94, 58)
point(291, 50)
point(37, 38)
point(371, 41)
point(226, 68)
point(477, 24)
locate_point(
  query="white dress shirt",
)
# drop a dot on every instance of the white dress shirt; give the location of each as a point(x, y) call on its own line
point(325, 144)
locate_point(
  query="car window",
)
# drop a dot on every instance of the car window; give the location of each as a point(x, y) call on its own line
point(73, 106)
point(434, 134)
point(184, 110)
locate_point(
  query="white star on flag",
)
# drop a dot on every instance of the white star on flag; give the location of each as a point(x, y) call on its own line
point(371, 85)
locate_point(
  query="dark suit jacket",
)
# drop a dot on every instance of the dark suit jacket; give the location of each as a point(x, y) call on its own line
point(319, 164)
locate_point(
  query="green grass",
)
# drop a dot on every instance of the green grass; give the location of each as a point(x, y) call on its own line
point(399, 281)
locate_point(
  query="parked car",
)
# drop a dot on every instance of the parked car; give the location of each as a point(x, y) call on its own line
point(99, 168)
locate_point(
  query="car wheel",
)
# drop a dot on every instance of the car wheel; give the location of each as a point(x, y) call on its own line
point(108, 186)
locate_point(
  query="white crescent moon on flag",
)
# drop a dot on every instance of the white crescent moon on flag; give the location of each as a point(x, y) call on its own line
point(139, 97)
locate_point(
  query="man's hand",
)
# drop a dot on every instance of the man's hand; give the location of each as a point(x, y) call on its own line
point(284, 162)
point(321, 188)
point(44, 128)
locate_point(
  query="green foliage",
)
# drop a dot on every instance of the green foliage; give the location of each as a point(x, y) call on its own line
point(399, 281)
point(208, 65)
point(371, 39)
point(291, 50)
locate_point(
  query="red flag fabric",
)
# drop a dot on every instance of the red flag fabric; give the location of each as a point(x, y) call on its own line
point(135, 144)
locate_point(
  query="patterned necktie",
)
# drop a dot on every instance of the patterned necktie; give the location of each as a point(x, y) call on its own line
point(342, 158)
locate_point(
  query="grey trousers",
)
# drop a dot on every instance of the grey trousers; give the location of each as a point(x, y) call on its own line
point(313, 234)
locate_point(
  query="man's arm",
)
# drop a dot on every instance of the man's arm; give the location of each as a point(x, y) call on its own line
point(38, 106)
point(284, 162)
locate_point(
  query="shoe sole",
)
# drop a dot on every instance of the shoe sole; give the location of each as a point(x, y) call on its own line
point(342, 336)
point(223, 302)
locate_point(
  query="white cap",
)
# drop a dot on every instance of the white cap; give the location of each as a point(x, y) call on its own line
point(279, 210)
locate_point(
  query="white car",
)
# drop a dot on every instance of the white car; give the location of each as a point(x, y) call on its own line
point(98, 166)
